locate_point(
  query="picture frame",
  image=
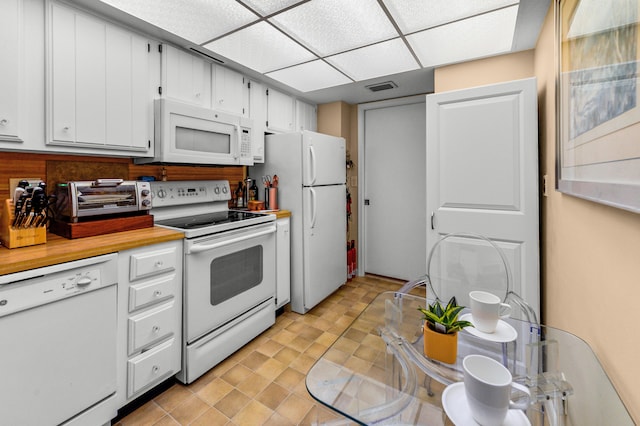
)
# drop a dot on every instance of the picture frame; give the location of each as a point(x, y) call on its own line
point(598, 101)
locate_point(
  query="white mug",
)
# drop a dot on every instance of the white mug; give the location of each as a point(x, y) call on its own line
point(486, 310)
point(487, 386)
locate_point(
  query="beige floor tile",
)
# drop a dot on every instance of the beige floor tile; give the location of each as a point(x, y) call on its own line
point(254, 360)
point(271, 368)
point(299, 343)
point(273, 396)
point(173, 397)
point(295, 408)
point(278, 419)
point(211, 417)
point(189, 410)
point(167, 421)
point(303, 363)
point(254, 413)
point(287, 355)
point(270, 348)
point(236, 374)
point(289, 378)
point(231, 404)
point(215, 391)
point(146, 415)
point(253, 385)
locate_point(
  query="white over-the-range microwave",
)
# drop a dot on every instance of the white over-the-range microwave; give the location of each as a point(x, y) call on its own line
point(188, 134)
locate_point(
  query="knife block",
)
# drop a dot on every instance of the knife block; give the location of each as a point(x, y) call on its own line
point(19, 237)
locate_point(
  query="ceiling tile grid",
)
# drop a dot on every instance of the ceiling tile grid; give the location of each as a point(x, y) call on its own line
point(314, 44)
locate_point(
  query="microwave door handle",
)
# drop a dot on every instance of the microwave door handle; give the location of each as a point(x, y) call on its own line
point(205, 247)
point(312, 172)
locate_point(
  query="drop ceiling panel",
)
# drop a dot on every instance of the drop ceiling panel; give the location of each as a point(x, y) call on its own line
point(194, 20)
point(268, 7)
point(390, 57)
point(313, 75)
point(477, 37)
point(261, 47)
point(417, 15)
point(333, 26)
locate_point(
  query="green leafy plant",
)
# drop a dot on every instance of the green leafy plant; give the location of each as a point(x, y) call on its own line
point(444, 320)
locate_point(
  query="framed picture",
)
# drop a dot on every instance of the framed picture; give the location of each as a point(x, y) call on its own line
point(598, 101)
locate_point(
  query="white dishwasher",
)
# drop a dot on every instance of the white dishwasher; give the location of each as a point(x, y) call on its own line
point(58, 343)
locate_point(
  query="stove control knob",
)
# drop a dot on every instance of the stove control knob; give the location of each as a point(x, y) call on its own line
point(146, 203)
point(162, 193)
point(144, 192)
point(224, 190)
point(217, 190)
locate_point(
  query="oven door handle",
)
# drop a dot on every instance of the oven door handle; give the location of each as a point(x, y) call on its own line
point(205, 247)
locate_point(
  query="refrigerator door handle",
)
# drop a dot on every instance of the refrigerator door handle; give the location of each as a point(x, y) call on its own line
point(312, 171)
point(314, 209)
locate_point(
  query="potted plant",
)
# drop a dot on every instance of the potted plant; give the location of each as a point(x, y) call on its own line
point(440, 330)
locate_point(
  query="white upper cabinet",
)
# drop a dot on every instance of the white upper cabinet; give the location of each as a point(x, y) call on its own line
point(99, 91)
point(258, 114)
point(11, 65)
point(306, 116)
point(185, 77)
point(280, 112)
point(230, 91)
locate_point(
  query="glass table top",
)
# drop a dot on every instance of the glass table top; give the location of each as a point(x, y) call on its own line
point(376, 373)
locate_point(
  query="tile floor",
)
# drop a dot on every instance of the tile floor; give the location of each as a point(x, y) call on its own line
point(263, 383)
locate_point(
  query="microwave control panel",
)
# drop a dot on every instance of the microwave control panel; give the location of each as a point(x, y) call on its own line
point(245, 143)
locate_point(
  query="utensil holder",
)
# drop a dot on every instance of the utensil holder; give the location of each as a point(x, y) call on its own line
point(273, 199)
point(19, 237)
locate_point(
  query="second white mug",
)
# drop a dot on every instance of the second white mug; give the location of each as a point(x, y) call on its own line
point(486, 310)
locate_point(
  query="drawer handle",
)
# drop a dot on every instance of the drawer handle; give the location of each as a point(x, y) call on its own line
point(155, 329)
point(4, 122)
point(157, 293)
point(159, 263)
point(155, 369)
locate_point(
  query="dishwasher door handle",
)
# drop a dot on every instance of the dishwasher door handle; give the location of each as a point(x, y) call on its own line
point(206, 247)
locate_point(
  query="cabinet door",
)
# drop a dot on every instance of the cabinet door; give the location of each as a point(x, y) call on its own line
point(99, 91)
point(230, 93)
point(258, 113)
point(185, 77)
point(10, 64)
point(279, 111)
point(283, 262)
point(305, 116)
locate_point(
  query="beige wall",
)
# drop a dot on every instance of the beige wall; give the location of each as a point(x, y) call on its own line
point(587, 248)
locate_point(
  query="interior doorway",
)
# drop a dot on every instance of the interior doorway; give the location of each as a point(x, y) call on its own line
point(392, 196)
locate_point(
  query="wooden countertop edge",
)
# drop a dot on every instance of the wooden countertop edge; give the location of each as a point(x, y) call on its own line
point(60, 250)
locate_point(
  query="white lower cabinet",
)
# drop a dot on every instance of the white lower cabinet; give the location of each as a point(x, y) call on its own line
point(149, 317)
point(283, 262)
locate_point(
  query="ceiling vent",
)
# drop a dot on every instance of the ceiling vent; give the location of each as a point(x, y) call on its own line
point(382, 86)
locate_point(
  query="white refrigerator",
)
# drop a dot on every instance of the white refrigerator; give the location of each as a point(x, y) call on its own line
point(312, 185)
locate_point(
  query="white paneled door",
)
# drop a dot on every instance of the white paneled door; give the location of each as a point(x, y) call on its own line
point(482, 173)
point(394, 197)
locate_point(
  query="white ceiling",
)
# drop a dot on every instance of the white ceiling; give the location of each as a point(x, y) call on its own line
point(328, 50)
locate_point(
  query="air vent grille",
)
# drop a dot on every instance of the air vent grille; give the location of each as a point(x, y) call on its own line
point(382, 86)
point(207, 55)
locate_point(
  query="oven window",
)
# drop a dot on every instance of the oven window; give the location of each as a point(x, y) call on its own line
point(202, 141)
point(235, 273)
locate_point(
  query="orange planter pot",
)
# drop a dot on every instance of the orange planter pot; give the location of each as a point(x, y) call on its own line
point(441, 347)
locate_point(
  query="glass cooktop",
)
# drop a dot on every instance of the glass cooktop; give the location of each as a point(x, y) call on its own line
point(208, 219)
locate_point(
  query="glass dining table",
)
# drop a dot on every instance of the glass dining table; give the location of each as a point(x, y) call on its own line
point(376, 373)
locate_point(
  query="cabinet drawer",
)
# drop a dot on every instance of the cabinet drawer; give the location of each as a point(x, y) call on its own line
point(151, 326)
point(152, 263)
point(151, 367)
point(150, 292)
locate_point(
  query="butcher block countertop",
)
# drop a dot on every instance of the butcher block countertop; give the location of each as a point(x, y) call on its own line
point(59, 250)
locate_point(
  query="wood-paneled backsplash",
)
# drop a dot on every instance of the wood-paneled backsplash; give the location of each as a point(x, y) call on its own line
point(55, 168)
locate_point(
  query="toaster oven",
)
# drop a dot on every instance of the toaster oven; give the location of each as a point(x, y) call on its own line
point(81, 199)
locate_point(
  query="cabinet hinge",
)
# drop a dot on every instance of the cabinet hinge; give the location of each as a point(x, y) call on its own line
point(267, 123)
point(149, 143)
point(267, 92)
point(242, 111)
point(148, 47)
point(160, 48)
point(160, 90)
point(249, 85)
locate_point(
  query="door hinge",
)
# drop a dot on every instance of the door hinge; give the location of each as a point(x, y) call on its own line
point(267, 92)
point(160, 90)
point(249, 85)
point(148, 47)
point(160, 48)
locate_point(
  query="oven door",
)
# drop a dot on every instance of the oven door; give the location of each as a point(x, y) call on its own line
point(226, 275)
